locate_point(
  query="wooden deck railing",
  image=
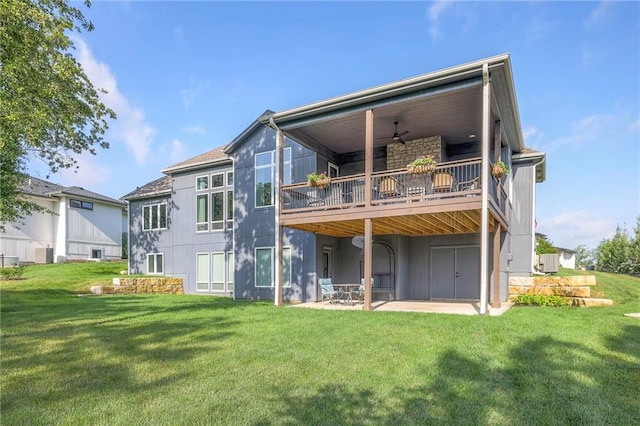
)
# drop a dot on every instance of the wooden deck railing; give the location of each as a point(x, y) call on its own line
point(449, 180)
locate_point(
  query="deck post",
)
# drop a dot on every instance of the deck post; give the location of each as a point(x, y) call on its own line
point(495, 292)
point(368, 263)
point(484, 221)
point(278, 299)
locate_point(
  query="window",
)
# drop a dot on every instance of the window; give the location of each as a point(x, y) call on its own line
point(96, 254)
point(154, 217)
point(231, 267)
point(217, 180)
point(214, 209)
point(202, 182)
point(265, 267)
point(265, 166)
point(202, 212)
point(86, 205)
point(217, 271)
point(202, 271)
point(217, 211)
point(214, 271)
point(155, 263)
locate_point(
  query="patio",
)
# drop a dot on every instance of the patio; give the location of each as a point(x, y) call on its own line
point(458, 308)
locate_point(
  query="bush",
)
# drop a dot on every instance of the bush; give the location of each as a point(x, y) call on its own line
point(542, 300)
point(11, 272)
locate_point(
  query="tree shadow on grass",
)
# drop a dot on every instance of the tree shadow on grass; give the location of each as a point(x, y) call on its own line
point(57, 349)
point(543, 381)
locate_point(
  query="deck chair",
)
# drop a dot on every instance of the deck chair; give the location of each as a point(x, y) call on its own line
point(469, 185)
point(359, 293)
point(328, 292)
point(390, 187)
point(442, 182)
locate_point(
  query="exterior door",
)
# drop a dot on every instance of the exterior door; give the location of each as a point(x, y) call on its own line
point(455, 272)
point(327, 262)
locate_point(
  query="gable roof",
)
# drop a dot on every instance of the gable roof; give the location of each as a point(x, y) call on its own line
point(247, 131)
point(160, 186)
point(42, 188)
point(216, 155)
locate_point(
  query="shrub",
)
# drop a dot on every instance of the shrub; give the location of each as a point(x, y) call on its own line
point(542, 300)
point(11, 272)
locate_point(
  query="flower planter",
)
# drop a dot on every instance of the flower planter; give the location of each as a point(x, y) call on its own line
point(421, 168)
point(319, 183)
point(497, 172)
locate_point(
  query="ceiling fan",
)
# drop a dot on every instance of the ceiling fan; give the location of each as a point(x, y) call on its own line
point(397, 136)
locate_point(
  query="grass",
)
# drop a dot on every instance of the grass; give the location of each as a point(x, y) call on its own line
point(159, 359)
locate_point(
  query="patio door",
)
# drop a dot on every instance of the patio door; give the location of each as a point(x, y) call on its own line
point(455, 272)
point(327, 262)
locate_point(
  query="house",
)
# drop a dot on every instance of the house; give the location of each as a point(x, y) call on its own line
point(242, 219)
point(567, 258)
point(79, 225)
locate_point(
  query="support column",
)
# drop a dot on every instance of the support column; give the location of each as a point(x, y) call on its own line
point(484, 221)
point(278, 299)
point(368, 262)
point(368, 224)
point(495, 291)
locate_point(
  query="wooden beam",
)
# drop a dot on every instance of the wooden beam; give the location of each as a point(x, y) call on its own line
point(368, 262)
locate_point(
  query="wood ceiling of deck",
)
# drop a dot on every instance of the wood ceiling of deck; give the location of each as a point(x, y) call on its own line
point(443, 223)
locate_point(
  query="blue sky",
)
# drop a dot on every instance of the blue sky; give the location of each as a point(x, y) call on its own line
point(185, 77)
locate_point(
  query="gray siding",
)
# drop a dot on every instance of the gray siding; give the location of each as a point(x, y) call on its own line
point(522, 219)
point(142, 242)
point(255, 226)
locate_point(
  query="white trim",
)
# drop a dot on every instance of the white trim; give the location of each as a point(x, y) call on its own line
point(331, 166)
point(152, 207)
point(224, 272)
point(206, 222)
point(155, 256)
point(207, 180)
point(224, 203)
point(208, 282)
point(224, 181)
point(272, 249)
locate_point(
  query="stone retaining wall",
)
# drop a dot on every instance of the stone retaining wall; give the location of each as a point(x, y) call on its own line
point(165, 285)
point(577, 288)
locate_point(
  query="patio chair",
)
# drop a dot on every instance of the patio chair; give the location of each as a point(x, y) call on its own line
point(359, 293)
point(390, 187)
point(469, 185)
point(328, 292)
point(442, 182)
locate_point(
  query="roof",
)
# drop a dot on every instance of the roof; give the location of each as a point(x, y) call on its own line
point(160, 186)
point(250, 129)
point(529, 154)
point(216, 155)
point(43, 188)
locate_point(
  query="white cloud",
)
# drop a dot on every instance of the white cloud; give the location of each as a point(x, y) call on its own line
point(599, 13)
point(569, 230)
point(193, 91)
point(434, 11)
point(130, 126)
point(634, 126)
point(585, 130)
point(532, 136)
point(196, 130)
point(540, 27)
point(178, 151)
point(88, 174)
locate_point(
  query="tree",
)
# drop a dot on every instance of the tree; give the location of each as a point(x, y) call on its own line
point(544, 246)
point(620, 254)
point(584, 256)
point(49, 108)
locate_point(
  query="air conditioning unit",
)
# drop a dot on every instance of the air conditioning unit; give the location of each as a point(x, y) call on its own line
point(549, 263)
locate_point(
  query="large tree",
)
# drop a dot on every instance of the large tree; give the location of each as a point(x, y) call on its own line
point(49, 109)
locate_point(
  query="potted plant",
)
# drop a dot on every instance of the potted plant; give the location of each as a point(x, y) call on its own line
point(422, 164)
point(319, 180)
point(499, 169)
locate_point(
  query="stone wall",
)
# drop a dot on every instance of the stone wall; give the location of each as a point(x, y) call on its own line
point(574, 286)
point(398, 155)
point(166, 285)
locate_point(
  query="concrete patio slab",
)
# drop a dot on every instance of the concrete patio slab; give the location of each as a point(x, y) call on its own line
point(457, 308)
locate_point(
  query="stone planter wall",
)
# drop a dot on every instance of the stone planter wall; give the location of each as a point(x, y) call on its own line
point(398, 155)
point(165, 285)
point(576, 288)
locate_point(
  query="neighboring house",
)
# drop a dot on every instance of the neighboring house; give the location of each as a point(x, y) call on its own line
point(456, 233)
point(80, 225)
point(567, 258)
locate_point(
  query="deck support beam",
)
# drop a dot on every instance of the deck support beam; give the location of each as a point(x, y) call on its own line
point(368, 222)
point(484, 222)
point(278, 299)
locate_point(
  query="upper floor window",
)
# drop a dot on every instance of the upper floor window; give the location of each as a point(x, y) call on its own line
point(154, 217)
point(214, 208)
point(86, 205)
point(265, 165)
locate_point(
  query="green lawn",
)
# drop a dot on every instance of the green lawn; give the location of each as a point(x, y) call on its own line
point(156, 359)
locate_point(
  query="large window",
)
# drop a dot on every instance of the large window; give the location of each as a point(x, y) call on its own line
point(155, 263)
point(214, 202)
point(265, 165)
point(154, 217)
point(214, 271)
point(265, 267)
